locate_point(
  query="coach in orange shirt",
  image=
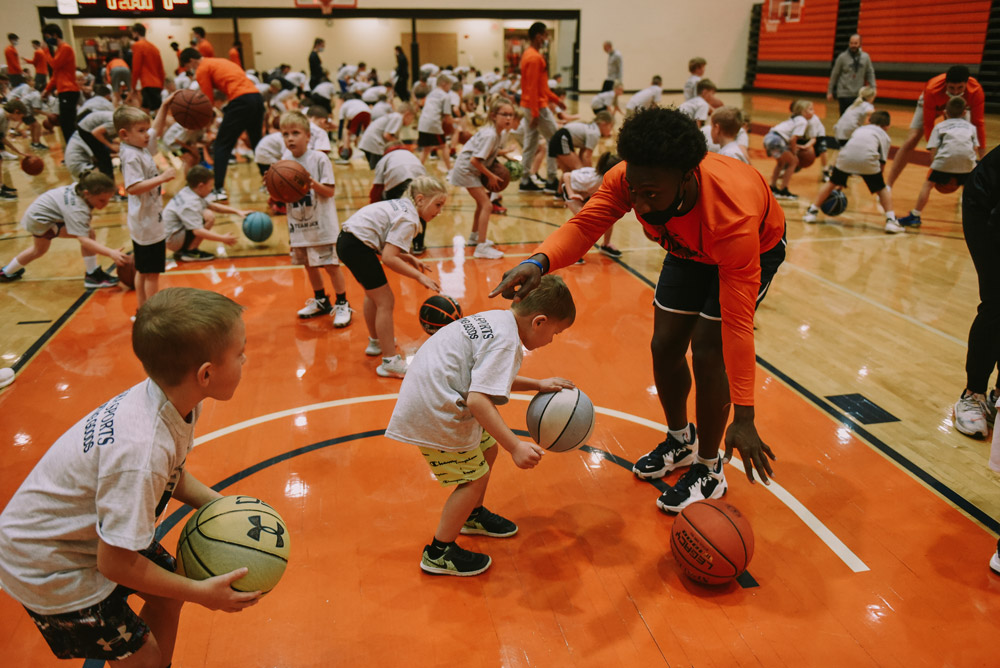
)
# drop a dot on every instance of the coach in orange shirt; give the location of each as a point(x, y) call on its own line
point(724, 235)
point(147, 69)
point(14, 70)
point(956, 82)
point(243, 113)
point(535, 100)
point(204, 47)
point(63, 63)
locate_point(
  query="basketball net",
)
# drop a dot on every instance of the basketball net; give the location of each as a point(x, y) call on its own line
point(326, 6)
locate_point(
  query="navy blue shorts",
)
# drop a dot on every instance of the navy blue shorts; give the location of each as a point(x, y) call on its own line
point(692, 288)
point(108, 630)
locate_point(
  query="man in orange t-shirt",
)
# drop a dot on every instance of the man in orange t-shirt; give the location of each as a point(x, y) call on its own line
point(14, 70)
point(234, 53)
point(147, 69)
point(956, 82)
point(203, 45)
point(63, 63)
point(244, 111)
point(535, 100)
point(724, 235)
point(40, 61)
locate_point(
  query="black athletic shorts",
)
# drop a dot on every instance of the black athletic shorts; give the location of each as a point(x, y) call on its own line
point(362, 261)
point(690, 287)
point(108, 630)
point(561, 143)
point(151, 259)
point(152, 98)
point(875, 182)
point(946, 177)
point(425, 139)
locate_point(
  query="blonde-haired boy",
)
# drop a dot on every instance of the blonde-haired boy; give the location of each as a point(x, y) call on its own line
point(143, 181)
point(447, 407)
point(313, 225)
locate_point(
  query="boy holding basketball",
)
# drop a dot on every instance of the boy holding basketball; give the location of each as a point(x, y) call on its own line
point(143, 181)
point(312, 223)
point(189, 218)
point(953, 146)
point(78, 536)
point(447, 407)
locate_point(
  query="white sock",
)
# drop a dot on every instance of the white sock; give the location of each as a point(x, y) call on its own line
point(682, 435)
point(890, 215)
point(710, 463)
point(90, 263)
point(12, 267)
point(915, 212)
point(812, 209)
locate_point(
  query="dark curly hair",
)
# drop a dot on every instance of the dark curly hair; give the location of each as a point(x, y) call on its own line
point(662, 138)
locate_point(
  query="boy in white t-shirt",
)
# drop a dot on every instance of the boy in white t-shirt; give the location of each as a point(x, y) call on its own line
point(647, 97)
point(580, 184)
point(727, 123)
point(698, 107)
point(313, 225)
point(696, 66)
point(447, 407)
point(355, 116)
point(430, 128)
point(189, 217)
point(781, 143)
point(608, 100)
point(864, 154)
point(78, 537)
point(953, 147)
point(384, 131)
point(143, 182)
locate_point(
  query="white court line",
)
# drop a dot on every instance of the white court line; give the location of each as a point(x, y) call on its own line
point(857, 295)
point(796, 242)
point(783, 495)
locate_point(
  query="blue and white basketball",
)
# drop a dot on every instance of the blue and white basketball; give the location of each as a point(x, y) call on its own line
point(835, 204)
point(257, 227)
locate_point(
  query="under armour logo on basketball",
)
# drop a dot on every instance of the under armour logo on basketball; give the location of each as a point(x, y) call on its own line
point(277, 531)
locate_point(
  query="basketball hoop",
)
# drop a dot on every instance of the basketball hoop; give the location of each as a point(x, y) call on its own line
point(326, 7)
point(771, 26)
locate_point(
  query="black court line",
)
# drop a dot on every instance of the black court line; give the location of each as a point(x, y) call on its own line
point(941, 488)
point(33, 322)
point(50, 332)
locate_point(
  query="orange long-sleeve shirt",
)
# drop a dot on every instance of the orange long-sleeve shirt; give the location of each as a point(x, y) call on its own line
point(735, 219)
point(225, 75)
point(63, 63)
point(234, 56)
point(13, 60)
point(206, 49)
point(116, 62)
point(535, 93)
point(935, 100)
point(40, 61)
point(147, 65)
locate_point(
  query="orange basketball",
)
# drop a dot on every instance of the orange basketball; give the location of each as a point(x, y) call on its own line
point(192, 109)
point(48, 124)
point(946, 188)
point(712, 542)
point(806, 158)
point(32, 165)
point(126, 274)
point(447, 124)
point(501, 172)
point(287, 181)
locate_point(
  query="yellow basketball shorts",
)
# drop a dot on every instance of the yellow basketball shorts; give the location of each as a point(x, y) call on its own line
point(455, 468)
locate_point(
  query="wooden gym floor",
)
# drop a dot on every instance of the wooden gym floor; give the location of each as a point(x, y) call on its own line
point(872, 543)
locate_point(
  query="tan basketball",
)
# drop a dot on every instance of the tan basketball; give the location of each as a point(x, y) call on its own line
point(233, 532)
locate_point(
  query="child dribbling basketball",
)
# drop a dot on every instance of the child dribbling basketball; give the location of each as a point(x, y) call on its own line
point(447, 407)
point(385, 231)
point(312, 223)
point(78, 536)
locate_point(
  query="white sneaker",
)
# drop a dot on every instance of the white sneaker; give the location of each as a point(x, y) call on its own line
point(970, 415)
point(392, 367)
point(995, 561)
point(315, 307)
point(373, 348)
point(6, 377)
point(342, 315)
point(473, 239)
point(218, 195)
point(7, 155)
point(892, 226)
point(486, 251)
point(809, 217)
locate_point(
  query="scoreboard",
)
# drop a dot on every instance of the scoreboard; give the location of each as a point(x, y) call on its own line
point(134, 8)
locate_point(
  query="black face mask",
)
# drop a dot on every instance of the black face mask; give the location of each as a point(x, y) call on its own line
point(51, 41)
point(661, 217)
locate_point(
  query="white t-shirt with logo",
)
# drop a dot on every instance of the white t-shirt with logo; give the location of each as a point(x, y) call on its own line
point(145, 219)
point(397, 166)
point(393, 221)
point(312, 221)
point(373, 139)
point(478, 353)
point(59, 205)
point(484, 145)
point(956, 142)
point(865, 152)
point(107, 478)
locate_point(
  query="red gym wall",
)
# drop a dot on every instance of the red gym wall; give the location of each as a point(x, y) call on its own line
point(909, 41)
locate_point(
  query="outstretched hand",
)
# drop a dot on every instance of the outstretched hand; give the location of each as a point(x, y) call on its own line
point(526, 275)
point(742, 435)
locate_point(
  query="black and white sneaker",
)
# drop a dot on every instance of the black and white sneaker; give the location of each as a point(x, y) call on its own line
point(8, 278)
point(552, 187)
point(529, 186)
point(316, 307)
point(995, 560)
point(99, 279)
point(484, 522)
point(699, 483)
point(453, 560)
point(669, 455)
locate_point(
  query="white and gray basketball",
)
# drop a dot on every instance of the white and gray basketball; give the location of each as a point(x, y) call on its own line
point(561, 421)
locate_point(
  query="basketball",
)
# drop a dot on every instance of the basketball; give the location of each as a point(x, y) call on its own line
point(287, 181)
point(438, 311)
point(806, 158)
point(464, 136)
point(257, 227)
point(32, 165)
point(447, 125)
point(943, 188)
point(233, 532)
point(712, 542)
point(835, 204)
point(561, 421)
point(345, 154)
point(126, 273)
point(47, 124)
point(500, 171)
point(192, 109)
